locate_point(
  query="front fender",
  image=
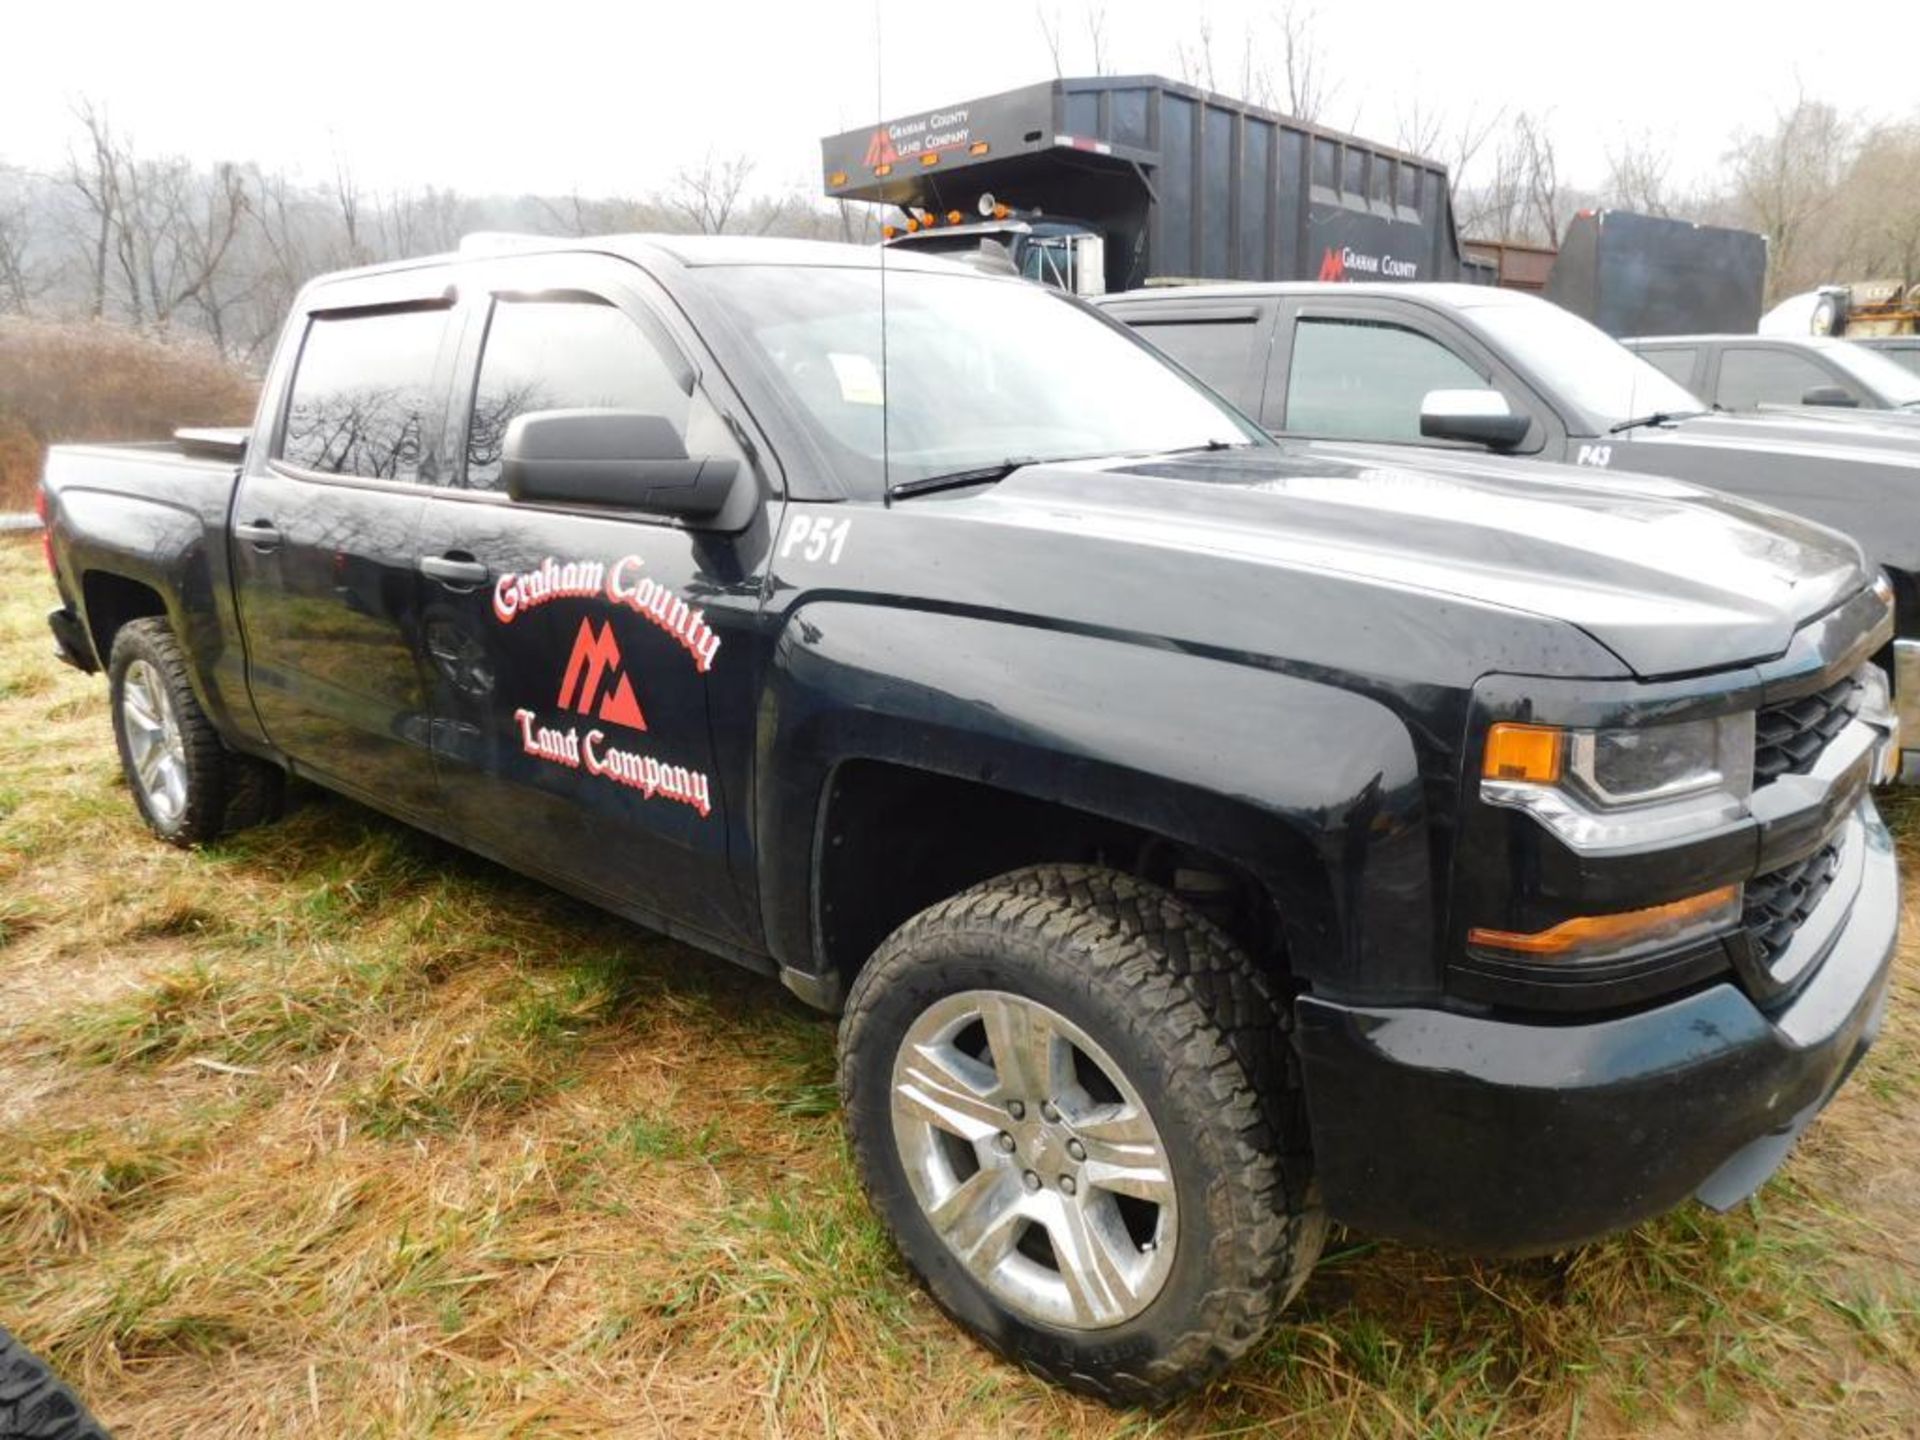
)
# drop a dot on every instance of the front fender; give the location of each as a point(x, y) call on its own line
point(1312, 790)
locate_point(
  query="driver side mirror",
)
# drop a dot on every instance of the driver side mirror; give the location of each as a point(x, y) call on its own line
point(622, 459)
point(1837, 395)
point(1479, 417)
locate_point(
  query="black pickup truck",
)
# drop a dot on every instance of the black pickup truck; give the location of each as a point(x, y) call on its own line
point(1201, 837)
point(1466, 368)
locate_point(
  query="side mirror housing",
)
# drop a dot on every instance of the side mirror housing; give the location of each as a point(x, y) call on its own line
point(1836, 395)
point(621, 459)
point(1479, 417)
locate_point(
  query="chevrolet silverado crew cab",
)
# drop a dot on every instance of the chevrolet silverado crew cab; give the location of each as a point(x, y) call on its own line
point(1200, 837)
point(1469, 368)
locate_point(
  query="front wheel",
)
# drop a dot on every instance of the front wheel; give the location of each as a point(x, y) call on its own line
point(1070, 1099)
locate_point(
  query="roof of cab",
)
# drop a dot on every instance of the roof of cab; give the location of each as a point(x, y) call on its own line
point(1451, 294)
point(692, 251)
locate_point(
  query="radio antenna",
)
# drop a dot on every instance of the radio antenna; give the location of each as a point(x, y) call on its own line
point(886, 388)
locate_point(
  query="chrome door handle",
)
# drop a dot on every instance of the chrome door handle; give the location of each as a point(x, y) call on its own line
point(262, 535)
point(456, 572)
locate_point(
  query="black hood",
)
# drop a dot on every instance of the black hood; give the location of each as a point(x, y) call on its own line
point(1668, 578)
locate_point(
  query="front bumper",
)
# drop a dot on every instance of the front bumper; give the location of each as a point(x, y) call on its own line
point(1506, 1137)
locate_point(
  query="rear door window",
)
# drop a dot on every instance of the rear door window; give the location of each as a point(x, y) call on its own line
point(1225, 353)
point(363, 397)
point(1365, 379)
point(1675, 362)
point(1751, 377)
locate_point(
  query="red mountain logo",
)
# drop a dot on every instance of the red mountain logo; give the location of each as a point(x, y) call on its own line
point(1333, 266)
point(595, 672)
point(880, 149)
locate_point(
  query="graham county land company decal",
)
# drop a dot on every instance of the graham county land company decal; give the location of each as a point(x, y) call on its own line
point(596, 683)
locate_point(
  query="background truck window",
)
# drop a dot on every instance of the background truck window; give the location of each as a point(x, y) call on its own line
point(574, 353)
point(362, 392)
point(1750, 376)
point(1365, 379)
point(1220, 352)
point(1676, 363)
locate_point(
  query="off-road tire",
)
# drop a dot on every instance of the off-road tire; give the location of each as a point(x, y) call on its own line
point(224, 790)
point(35, 1404)
point(1200, 1034)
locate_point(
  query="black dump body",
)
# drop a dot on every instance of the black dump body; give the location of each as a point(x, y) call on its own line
point(1642, 275)
point(1184, 183)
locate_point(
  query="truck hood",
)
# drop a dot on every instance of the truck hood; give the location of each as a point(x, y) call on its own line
point(1816, 432)
point(1669, 578)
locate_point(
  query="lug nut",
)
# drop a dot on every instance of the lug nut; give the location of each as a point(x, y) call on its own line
point(1048, 1112)
point(1067, 1187)
point(1076, 1150)
point(1004, 1141)
point(1030, 1180)
point(1016, 1109)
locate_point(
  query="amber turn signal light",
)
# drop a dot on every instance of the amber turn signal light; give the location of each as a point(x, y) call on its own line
point(1611, 932)
point(1524, 752)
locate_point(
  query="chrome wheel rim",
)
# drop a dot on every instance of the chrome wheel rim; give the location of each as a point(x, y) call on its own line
point(1034, 1159)
point(156, 752)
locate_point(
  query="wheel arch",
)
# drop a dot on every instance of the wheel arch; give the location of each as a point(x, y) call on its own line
point(989, 746)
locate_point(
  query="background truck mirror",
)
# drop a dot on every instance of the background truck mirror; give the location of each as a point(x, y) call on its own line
point(1479, 417)
point(1831, 395)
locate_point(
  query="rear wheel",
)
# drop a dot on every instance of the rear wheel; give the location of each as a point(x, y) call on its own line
point(188, 786)
point(1069, 1098)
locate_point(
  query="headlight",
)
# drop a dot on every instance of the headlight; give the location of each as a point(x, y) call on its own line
point(1601, 789)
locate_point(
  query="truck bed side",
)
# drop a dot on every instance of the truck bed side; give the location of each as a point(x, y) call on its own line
point(141, 530)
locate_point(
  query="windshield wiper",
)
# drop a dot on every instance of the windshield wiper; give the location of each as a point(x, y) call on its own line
point(1658, 417)
point(955, 479)
point(1209, 446)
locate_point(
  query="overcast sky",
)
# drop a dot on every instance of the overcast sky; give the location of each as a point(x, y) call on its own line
point(611, 99)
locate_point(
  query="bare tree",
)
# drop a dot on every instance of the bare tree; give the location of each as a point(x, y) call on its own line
point(23, 279)
point(1879, 206)
point(1196, 65)
point(1784, 181)
point(1637, 179)
point(1308, 90)
point(1049, 22)
point(1096, 18)
point(346, 195)
point(708, 196)
point(94, 172)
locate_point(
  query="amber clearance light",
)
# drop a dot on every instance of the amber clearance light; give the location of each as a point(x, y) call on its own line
point(1585, 933)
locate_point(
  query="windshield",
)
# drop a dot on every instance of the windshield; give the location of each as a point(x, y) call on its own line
point(1892, 382)
point(980, 372)
point(1584, 365)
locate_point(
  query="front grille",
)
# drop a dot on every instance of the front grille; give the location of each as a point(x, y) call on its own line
point(1788, 737)
point(1778, 904)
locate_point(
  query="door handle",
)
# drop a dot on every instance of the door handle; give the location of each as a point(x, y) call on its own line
point(262, 535)
point(455, 570)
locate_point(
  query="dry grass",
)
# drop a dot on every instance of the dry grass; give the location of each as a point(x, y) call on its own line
point(70, 381)
point(333, 1131)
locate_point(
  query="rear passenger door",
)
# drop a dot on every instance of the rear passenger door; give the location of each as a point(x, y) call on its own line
point(575, 652)
point(325, 522)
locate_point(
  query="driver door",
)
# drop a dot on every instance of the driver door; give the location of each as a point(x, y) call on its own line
point(575, 653)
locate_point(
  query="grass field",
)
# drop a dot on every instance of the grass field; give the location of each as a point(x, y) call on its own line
point(333, 1131)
